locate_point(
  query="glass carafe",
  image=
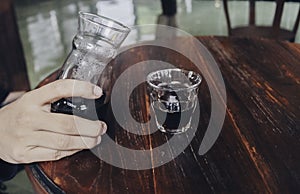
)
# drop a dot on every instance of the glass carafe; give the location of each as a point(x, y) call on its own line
point(94, 46)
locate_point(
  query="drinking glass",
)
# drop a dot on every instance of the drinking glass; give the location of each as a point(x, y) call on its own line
point(94, 46)
point(173, 97)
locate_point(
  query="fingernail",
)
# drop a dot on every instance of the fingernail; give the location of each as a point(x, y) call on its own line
point(97, 91)
point(99, 140)
point(104, 128)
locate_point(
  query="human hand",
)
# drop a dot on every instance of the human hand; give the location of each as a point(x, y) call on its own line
point(30, 132)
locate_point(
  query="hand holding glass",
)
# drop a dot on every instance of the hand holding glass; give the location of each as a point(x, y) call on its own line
point(94, 45)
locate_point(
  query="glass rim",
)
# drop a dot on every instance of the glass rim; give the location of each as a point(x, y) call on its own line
point(199, 78)
point(124, 28)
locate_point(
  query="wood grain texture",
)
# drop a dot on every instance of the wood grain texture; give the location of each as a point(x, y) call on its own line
point(256, 152)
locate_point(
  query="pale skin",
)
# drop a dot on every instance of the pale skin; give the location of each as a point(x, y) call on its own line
point(30, 132)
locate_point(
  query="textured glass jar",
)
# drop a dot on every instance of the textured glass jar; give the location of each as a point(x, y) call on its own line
point(94, 46)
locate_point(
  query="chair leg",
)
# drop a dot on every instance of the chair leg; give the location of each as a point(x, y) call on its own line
point(169, 7)
point(168, 16)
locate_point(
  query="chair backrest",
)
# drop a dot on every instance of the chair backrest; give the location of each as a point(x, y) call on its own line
point(12, 60)
point(276, 20)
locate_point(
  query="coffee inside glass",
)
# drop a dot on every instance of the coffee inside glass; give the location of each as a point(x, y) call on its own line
point(173, 96)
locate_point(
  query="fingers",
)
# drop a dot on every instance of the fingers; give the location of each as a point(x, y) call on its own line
point(38, 154)
point(70, 125)
point(65, 88)
point(63, 142)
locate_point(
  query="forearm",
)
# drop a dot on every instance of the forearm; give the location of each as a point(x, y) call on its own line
point(7, 170)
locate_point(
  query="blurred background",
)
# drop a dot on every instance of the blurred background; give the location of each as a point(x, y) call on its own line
point(47, 27)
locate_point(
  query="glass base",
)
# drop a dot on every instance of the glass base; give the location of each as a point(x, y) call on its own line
point(174, 131)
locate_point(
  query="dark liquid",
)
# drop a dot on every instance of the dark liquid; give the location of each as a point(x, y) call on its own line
point(85, 108)
point(173, 120)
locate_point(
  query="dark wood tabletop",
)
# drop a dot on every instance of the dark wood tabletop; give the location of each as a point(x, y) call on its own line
point(257, 151)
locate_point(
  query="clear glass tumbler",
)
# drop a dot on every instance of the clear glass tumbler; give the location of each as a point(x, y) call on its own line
point(94, 46)
point(173, 97)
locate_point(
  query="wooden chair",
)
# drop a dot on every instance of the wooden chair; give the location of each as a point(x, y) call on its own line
point(272, 32)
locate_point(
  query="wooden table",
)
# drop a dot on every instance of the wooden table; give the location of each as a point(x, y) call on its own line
point(258, 150)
